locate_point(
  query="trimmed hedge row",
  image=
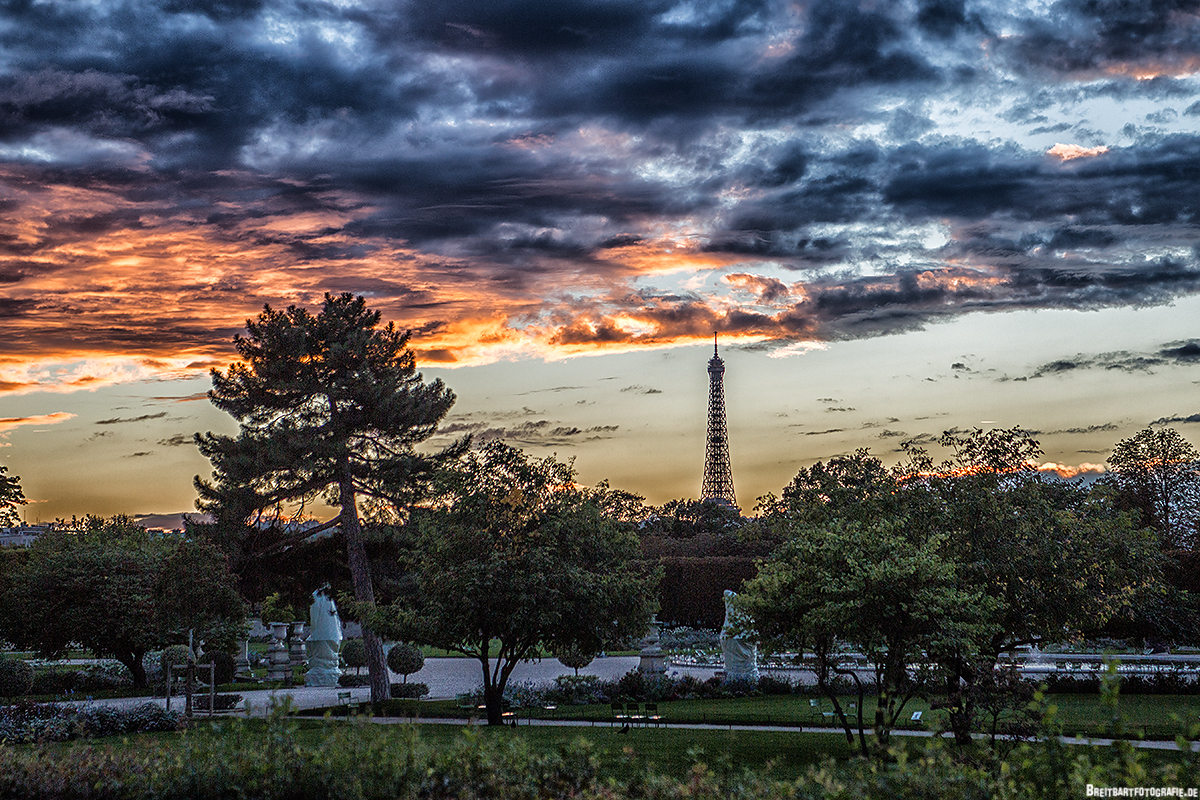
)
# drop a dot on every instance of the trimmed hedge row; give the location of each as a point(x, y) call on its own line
point(47, 722)
point(692, 591)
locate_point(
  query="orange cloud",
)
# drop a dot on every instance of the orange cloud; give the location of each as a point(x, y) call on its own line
point(1068, 152)
point(1068, 472)
point(8, 423)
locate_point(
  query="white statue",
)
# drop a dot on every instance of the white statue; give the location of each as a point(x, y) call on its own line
point(740, 654)
point(324, 641)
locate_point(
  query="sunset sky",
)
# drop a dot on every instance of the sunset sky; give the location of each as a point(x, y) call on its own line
point(902, 218)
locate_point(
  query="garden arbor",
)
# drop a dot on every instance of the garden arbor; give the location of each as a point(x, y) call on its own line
point(330, 406)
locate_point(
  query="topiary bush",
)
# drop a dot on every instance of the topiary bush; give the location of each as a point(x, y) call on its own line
point(225, 665)
point(175, 656)
point(16, 677)
point(354, 654)
point(405, 659)
point(348, 681)
point(409, 690)
point(574, 658)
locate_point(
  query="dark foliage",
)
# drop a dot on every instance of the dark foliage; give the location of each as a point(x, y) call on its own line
point(225, 665)
point(16, 677)
point(692, 589)
point(410, 690)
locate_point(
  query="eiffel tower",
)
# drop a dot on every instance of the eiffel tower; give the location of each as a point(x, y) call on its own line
point(718, 479)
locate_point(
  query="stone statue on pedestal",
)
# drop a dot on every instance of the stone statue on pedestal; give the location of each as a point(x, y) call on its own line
point(740, 654)
point(324, 641)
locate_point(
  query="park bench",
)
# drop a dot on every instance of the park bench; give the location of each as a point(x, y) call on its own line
point(347, 699)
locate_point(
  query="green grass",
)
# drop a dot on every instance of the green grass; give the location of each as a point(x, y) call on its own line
point(668, 751)
point(1151, 716)
point(1146, 715)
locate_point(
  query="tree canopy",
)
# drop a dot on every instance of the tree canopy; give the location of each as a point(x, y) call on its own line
point(1049, 558)
point(11, 496)
point(118, 591)
point(515, 551)
point(330, 406)
point(1157, 474)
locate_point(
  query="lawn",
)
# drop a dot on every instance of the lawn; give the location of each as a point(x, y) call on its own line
point(621, 755)
point(1151, 716)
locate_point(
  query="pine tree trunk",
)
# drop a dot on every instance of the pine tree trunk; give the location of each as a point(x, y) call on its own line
point(364, 592)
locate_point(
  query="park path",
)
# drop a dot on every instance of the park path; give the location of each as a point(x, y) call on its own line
point(447, 677)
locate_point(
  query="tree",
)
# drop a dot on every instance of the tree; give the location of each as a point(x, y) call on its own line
point(118, 591)
point(516, 553)
point(1005, 531)
point(11, 496)
point(687, 518)
point(883, 587)
point(1157, 473)
point(1016, 534)
point(574, 658)
point(354, 654)
point(329, 406)
point(405, 659)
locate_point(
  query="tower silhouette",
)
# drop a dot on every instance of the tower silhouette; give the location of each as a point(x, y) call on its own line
point(718, 479)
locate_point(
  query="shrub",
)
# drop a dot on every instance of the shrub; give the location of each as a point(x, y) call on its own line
point(152, 664)
point(225, 667)
point(222, 702)
point(47, 722)
point(104, 675)
point(16, 677)
point(55, 681)
point(405, 659)
point(409, 690)
point(684, 638)
point(354, 654)
point(177, 655)
point(768, 684)
point(349, 681)
point(573, 690)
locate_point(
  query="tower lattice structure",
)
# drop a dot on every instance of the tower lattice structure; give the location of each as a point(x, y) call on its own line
point(718, 478)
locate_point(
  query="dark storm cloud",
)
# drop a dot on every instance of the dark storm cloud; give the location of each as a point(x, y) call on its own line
point(1092, 36)
point(1184, 353)
point(463, 160)
point(1176, 420)
point(529, 432)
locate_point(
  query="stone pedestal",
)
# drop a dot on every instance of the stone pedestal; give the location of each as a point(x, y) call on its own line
point(279, 667)
point(652, 658)
point(296, 651)
point(242, 662)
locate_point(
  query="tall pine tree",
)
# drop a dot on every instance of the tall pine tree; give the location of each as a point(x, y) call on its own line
point(330, 406)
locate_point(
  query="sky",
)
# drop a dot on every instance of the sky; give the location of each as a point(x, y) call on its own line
point(901, 217)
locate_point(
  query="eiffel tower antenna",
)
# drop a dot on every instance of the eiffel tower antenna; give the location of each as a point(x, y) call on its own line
point(718, 478)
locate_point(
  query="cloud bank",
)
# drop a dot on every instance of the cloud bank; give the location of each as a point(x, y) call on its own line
point(531, 179)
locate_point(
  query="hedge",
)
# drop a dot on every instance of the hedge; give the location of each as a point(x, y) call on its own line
point(693, 589)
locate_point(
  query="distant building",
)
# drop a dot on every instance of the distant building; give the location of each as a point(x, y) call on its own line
point(22, 535)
